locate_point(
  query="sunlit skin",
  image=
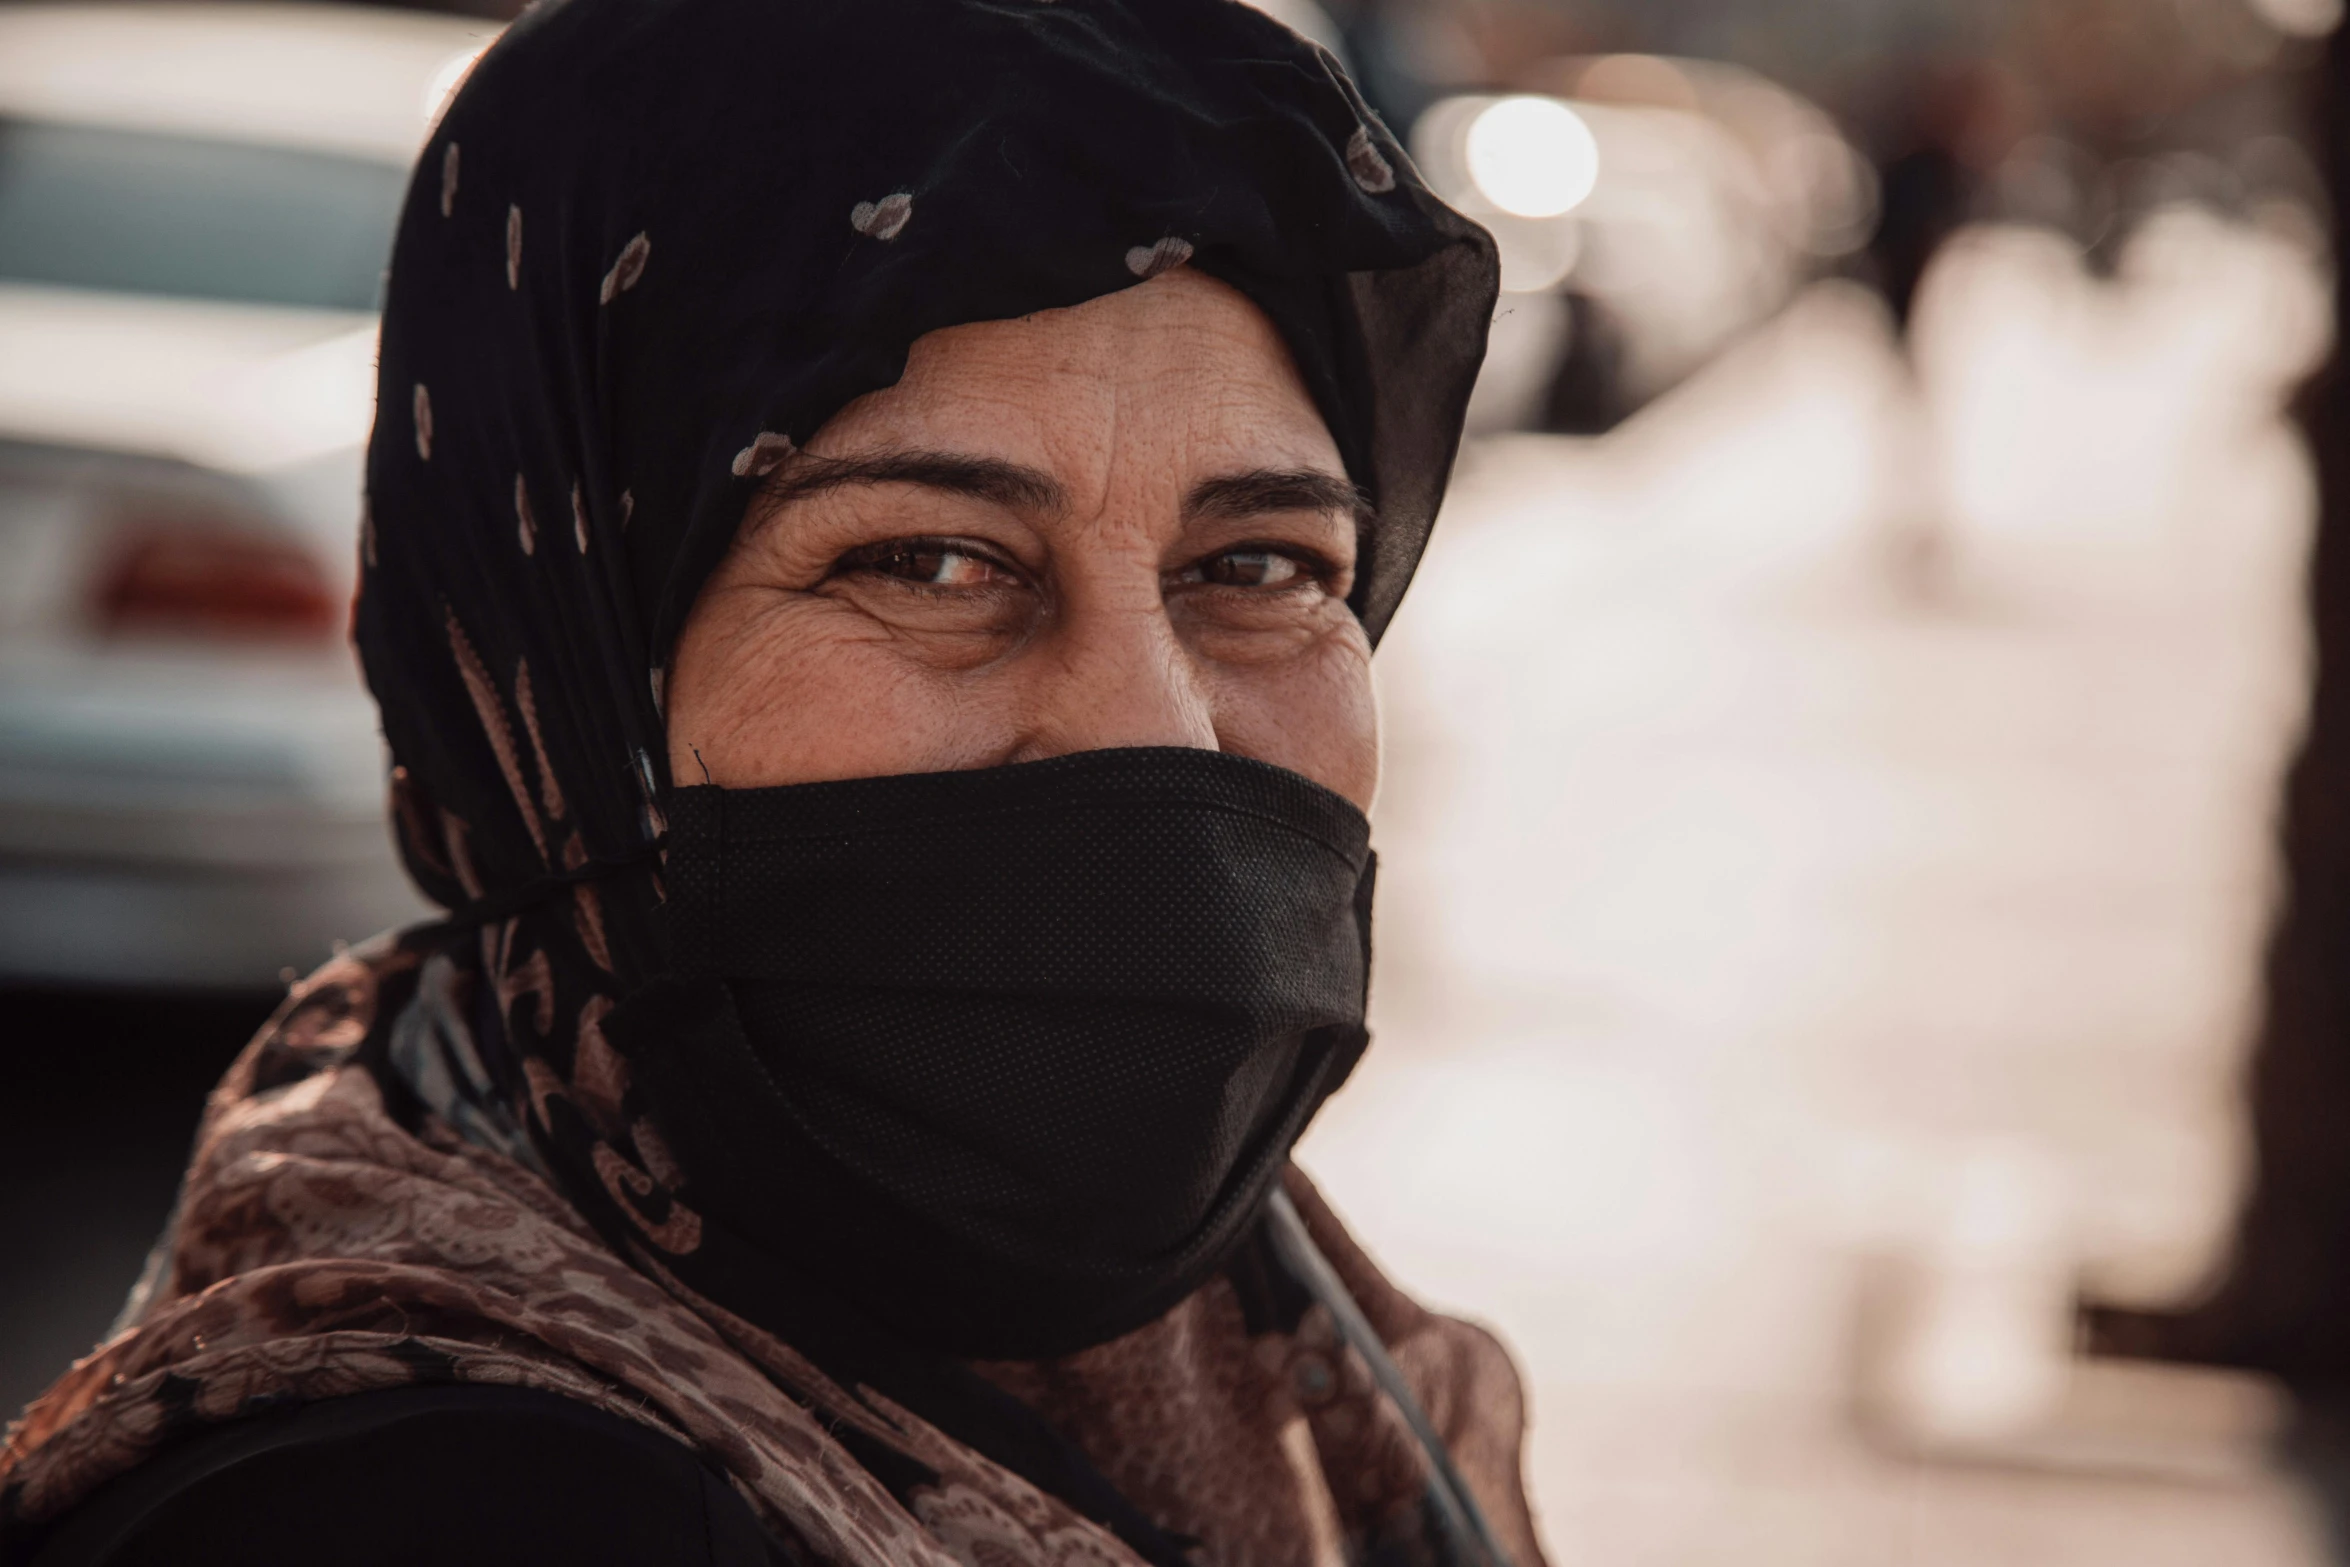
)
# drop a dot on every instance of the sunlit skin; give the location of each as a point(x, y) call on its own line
point(1121, 524)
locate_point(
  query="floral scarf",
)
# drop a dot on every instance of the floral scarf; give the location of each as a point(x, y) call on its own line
point(339, 1234)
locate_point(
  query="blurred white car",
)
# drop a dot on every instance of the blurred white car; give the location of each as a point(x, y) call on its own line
point(196, 207)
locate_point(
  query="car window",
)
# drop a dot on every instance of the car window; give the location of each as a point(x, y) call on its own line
point(150, 213)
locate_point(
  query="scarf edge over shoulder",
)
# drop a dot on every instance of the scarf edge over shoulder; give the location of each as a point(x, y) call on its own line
point(336, 1235)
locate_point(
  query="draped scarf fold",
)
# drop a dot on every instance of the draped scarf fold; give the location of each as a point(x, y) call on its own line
point(338, 1234)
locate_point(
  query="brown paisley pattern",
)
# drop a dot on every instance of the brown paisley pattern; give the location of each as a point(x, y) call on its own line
point(323, 1248)
point(1250, 1440)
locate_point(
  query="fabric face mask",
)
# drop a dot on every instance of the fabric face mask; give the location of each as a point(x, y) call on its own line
point(1007, 1059)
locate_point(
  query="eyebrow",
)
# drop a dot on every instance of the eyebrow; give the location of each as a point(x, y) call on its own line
point(1237, 496)
point(1232, 496)
point(981, 478)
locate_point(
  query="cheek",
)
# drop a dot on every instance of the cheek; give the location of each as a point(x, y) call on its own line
point(1317, 715)
point(796, 691)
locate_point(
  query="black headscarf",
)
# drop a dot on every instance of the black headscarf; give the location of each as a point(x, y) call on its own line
point(655, 244)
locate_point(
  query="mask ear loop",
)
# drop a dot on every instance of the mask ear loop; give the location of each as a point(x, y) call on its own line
point(1469, 1537)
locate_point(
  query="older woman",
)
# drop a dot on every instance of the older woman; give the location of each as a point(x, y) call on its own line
point(879, 518)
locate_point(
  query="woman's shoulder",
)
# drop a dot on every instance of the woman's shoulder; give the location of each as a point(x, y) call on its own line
point(442, 1475)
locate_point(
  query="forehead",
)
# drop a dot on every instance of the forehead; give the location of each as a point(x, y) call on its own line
point(1162, 382)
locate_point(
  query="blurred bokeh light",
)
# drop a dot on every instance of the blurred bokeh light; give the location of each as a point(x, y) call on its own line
point(1531, 157)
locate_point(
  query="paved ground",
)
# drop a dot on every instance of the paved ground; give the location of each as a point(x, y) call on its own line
point(1823, 854)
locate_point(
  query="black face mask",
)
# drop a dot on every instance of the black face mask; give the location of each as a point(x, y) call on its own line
point(1006, 1059)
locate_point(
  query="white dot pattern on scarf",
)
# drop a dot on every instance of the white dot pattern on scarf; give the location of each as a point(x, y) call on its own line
point(884, 219)
point(526, 526)
point(1148, 261)
point(627, 267)
point(1367, 164)
point(763, 456)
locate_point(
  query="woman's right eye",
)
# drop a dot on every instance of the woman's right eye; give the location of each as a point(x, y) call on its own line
point(930, 563)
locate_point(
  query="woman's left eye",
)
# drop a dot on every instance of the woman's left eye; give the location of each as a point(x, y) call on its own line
point(1251, 568)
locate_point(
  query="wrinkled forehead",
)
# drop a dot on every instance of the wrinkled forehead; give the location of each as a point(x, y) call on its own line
point(1131, 398)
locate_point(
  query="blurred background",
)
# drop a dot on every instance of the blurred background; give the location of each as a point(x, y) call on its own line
point(1866, 844)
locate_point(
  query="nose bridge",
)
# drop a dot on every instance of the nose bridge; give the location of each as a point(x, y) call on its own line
point(1117, 675)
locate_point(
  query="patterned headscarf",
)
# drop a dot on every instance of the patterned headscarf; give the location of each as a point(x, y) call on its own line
point(654, 245)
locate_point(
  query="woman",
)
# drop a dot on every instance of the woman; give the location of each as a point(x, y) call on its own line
point(879, 515)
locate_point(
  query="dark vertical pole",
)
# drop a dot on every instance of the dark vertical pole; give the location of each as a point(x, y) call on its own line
point(2284, 1304)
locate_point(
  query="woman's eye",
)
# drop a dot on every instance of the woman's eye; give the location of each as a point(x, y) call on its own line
point(930, 563)
point(1252, 569)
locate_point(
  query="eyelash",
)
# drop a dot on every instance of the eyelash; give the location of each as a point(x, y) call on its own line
point(1313, 566)
point(876, 558)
